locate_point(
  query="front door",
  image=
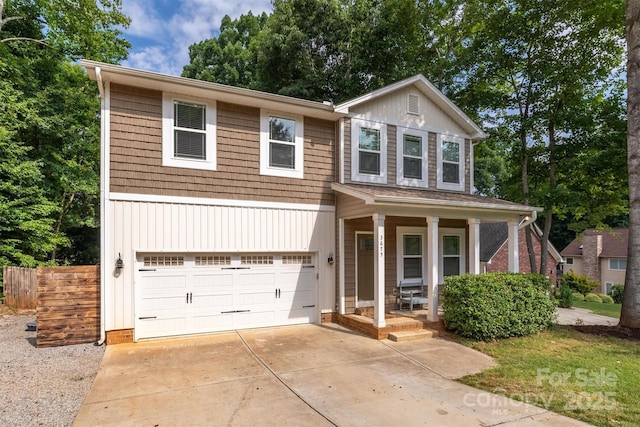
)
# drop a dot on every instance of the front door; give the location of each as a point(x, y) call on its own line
point(364, 266)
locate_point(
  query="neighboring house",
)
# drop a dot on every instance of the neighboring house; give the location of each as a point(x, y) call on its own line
point(601, 255)
point(494, 251)
point(225, 208)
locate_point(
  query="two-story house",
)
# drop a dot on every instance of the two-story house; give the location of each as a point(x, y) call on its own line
point(601, 255)
point(225, 208)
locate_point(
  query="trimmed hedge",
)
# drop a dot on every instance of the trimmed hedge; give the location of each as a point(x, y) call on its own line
point(592, 298)
point(606, 299)
point(497, 305)
point(577, 296)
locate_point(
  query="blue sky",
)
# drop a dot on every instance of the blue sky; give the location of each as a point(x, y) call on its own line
point(161, 31)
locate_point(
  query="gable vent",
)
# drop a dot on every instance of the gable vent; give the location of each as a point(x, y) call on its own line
point(413, 104)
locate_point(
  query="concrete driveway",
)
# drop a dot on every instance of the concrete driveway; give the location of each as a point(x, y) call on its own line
point(298, 376)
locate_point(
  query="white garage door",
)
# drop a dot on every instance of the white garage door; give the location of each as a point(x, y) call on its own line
point(188, 294)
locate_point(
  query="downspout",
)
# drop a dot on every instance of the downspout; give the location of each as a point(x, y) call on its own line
point(103, 269)
point(529, 220)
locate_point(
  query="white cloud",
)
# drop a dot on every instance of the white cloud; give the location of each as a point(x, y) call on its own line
point(162, 43)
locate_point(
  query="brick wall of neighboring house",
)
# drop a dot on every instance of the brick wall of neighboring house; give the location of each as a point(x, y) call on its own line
point(500, 261)
point(591, 250)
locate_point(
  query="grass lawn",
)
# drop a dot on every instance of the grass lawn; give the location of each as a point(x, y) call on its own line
point(611, 310)
point(586, 377)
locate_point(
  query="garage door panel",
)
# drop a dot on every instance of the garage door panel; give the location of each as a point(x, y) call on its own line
point(212, 322)
point(212, 280)
point(164, 282)
point(212, 301)
point(249, 298)
point(163, 303)
point(295, 279)
point(255, 279)
point(255, 319)
point(161, 327)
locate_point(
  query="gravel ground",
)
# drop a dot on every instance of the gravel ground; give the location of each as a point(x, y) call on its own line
point(41, 386)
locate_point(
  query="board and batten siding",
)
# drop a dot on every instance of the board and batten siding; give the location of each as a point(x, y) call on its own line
point(145, 227)
point(136, 155)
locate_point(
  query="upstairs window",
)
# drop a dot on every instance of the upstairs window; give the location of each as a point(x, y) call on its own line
point(450, 163)
point(281, 145)
point(188, 132)
point(412, 157)
point(617, 264)
point(368, 152)
point(569, 261)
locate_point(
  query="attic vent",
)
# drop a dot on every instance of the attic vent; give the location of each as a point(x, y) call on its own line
point(413, 104)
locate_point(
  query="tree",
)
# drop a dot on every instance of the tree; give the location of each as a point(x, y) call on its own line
point(534, 68)
point(49, 127)
point(630, 314)
point(230, 57)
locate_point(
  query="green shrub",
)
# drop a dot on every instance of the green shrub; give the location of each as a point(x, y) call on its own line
point(606, 299)
point(577, 296)
point(578, 282)
point(565, 297)
point(592, 298)
point(497, 305)
point(617, 293)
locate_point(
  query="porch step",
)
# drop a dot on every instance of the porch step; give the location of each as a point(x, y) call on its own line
point(400, 336)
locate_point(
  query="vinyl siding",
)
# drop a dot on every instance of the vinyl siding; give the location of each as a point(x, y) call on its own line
point(180, 227)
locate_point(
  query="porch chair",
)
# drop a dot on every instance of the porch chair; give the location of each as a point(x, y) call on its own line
point(412, 292)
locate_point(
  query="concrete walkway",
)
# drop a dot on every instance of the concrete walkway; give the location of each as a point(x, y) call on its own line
point(299, 376)
point(583, 316)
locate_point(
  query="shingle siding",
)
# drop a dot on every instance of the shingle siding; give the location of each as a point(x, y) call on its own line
point(136, 155)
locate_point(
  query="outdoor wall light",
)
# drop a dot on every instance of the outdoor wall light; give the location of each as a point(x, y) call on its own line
point(330, 259)
point(119, 262)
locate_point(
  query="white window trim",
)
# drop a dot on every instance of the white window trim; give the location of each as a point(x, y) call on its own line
point(168, 157)
point(460, 232)
point(400, 232)
point(608, 287)
point(356, 124)
point(265, 168)
point(440, 138)
point(411, 182)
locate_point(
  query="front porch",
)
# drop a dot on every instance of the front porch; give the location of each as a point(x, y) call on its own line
point(386, 235)
point(400, 325)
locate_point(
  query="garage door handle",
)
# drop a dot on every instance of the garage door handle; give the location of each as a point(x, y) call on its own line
point(308, 266)
point(235, 311)
point(308, 306)
point(147, 317)
point(147, 269)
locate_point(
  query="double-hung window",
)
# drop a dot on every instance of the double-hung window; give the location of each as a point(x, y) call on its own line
point(368, 152)
point(281, 145)
point(450, 162)
point(410, 252)
point(412, 157)
point(452, 252)
point(188, 132)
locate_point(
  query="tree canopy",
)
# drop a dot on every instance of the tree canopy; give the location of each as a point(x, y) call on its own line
point(49, 126)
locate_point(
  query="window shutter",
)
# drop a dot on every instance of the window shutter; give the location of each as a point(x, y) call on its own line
point(413, 104)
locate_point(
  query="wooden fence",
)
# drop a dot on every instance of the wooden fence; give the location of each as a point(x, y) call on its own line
point(20, 287)
point(68, 305)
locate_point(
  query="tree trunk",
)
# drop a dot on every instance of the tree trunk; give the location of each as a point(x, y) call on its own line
point(544, 240)
point(524, 165)
point(630, 315)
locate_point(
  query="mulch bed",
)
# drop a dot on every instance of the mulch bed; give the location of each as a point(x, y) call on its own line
point(609, 331)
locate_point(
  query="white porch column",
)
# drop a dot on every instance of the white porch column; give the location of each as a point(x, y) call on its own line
point(514, 262)
point(432, 267)
point(341, 297)
point(378, 271)
point(474, 245)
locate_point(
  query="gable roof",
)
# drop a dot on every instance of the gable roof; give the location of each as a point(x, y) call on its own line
point(614, 243)
point(430, 91)
point(494, 235)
